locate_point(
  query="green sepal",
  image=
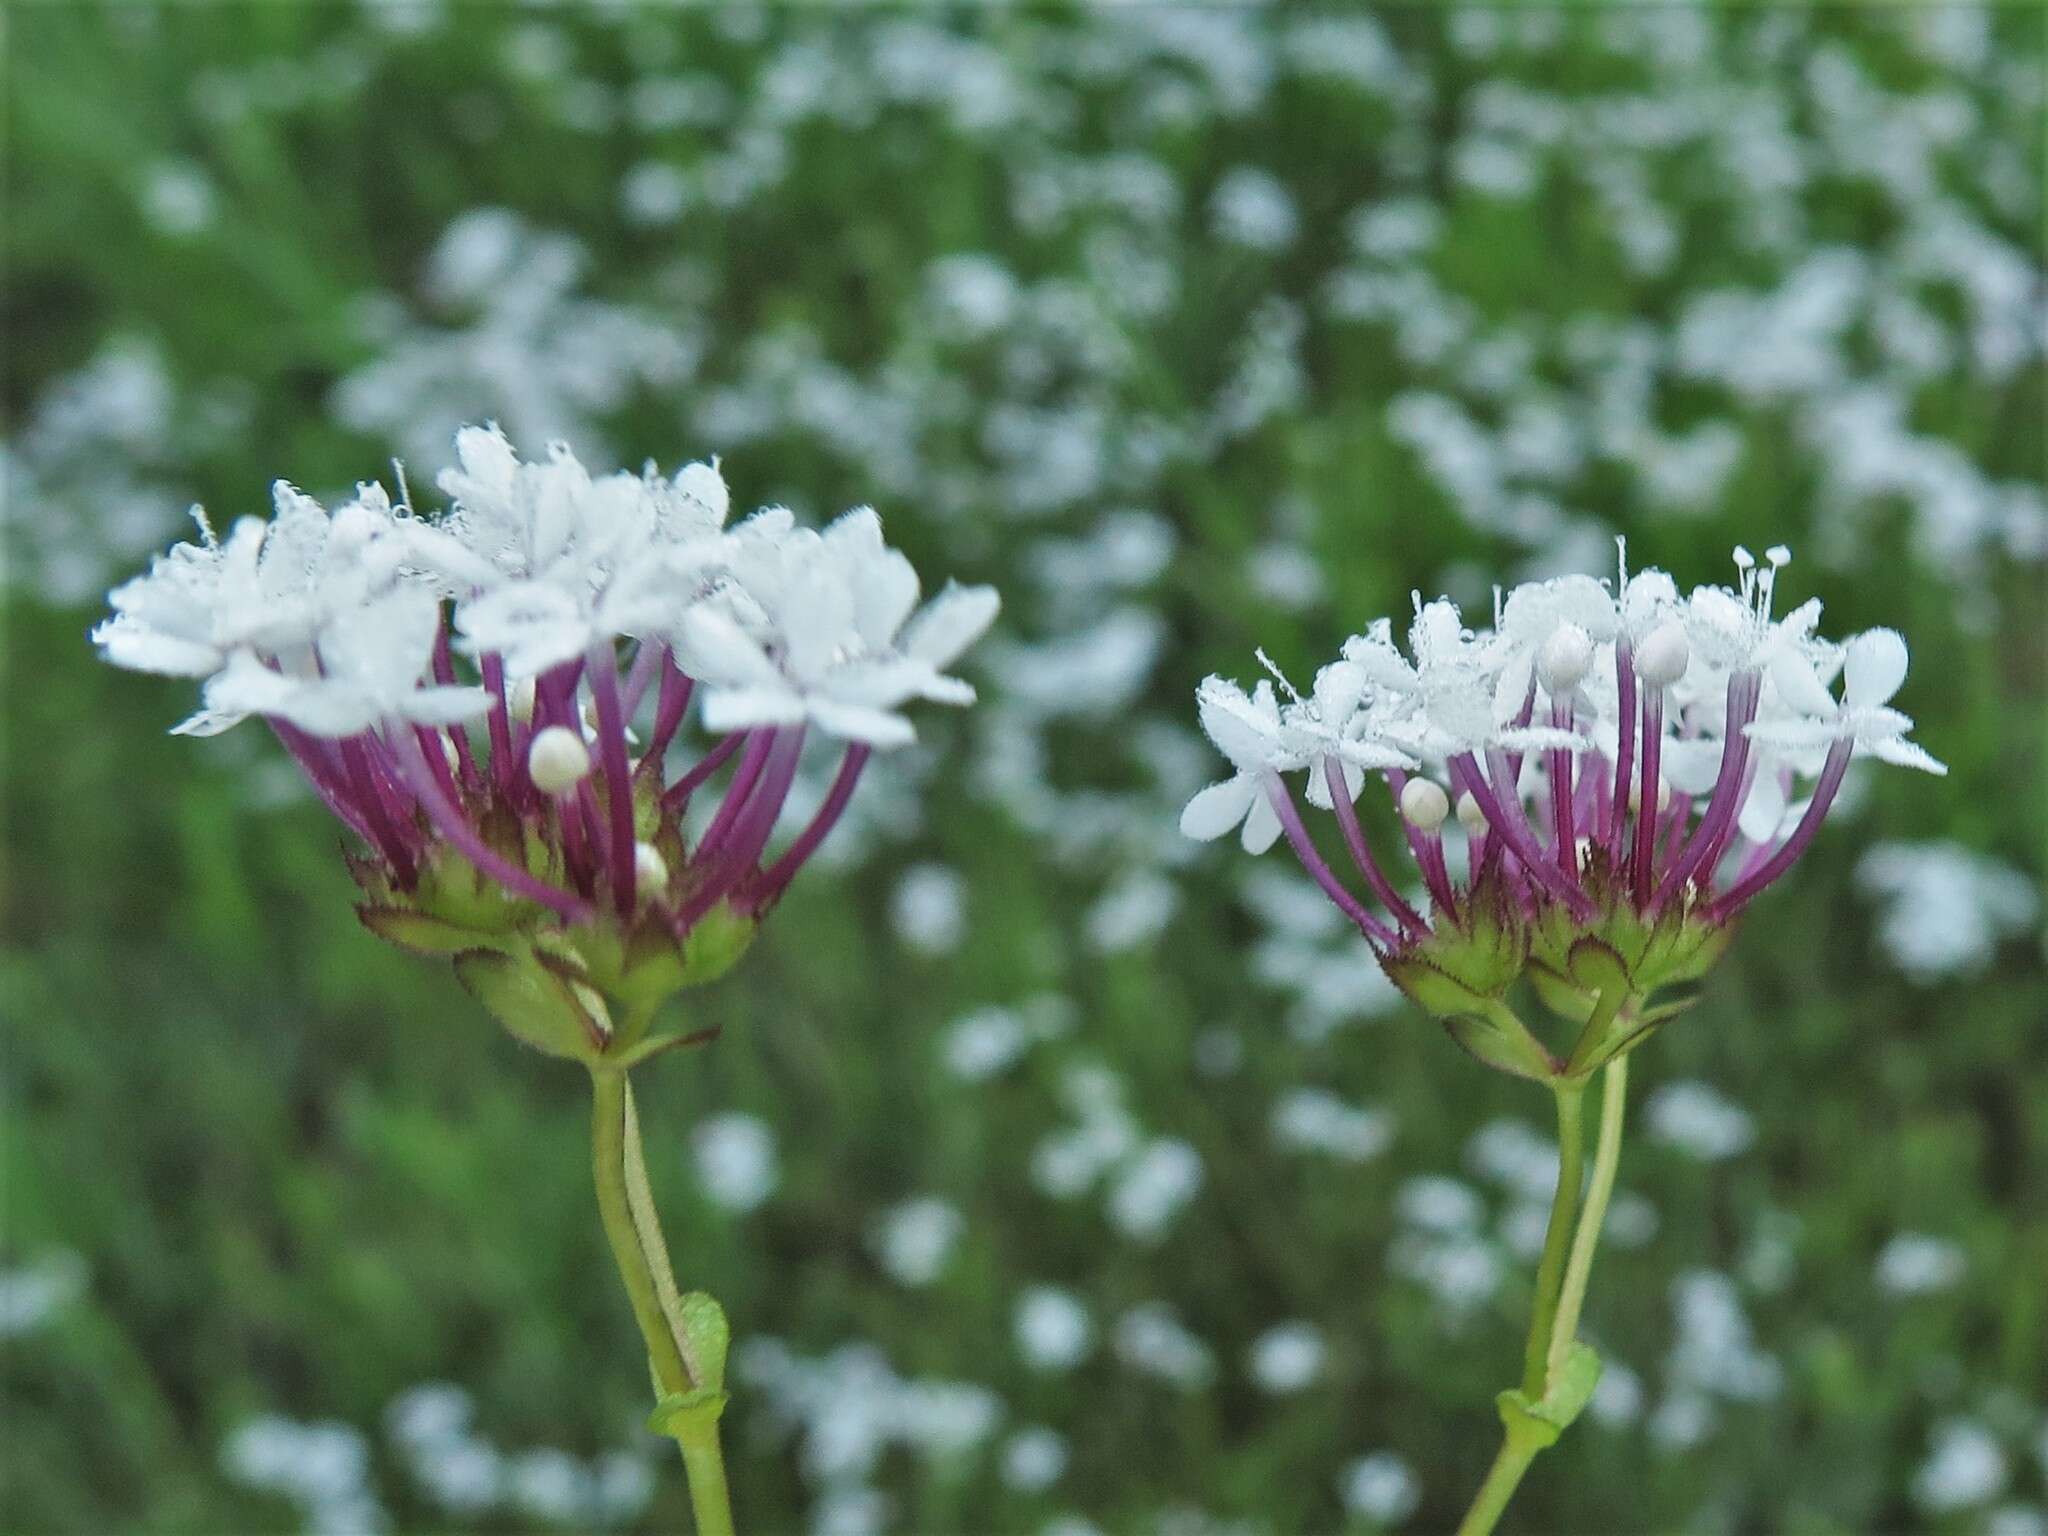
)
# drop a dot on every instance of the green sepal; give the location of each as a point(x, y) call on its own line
point(537, 1005)
point(1431, 988)
point(1563, 1400)
point(715, 944)
point(1497, 1037)
point(1595, 966)
point(1482, 1024)
point(624, 1056)
point(1563, 999)
point(680, 1414)
point(421, 933)
point(706, 1337)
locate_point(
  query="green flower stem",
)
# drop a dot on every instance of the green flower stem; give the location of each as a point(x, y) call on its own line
point(1606, 1158)
point(1523, 1440)
point(642, 1257)
point(1517, 1450)
point(704, 1465)
point(1564, 1208)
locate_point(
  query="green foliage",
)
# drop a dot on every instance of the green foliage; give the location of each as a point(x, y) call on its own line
point(304, 1172)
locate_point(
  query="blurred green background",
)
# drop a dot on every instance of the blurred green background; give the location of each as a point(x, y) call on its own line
point(1058, 1177)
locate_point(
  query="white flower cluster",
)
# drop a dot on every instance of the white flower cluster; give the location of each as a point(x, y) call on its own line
point(1575, 686)
point(330, 621)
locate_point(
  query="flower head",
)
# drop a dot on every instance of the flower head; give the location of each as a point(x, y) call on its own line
point(516, 818)
point(1622, 765)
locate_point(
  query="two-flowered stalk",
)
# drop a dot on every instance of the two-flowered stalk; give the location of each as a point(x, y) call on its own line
point(1611, 773)
point(494, 702)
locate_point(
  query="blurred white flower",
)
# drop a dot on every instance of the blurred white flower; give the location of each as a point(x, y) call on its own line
point(1054, 1331)
point(1917, 1264)
point(1152, 1340)
point(1381, 1488)
point(735, 1157)
point(1965, 1467)
point(929, 908)
point(1699, 1121)
point(915, 1240)
point(1287, 1358)
point(1944, 907)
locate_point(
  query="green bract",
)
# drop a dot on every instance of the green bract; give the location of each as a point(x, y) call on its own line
point(1611, 980)
point(587, 992)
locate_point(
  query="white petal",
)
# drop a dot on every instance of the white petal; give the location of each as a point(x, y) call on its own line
point(1261, 824)
point(1691, 766)
point(817, 620)
point(858, 722)
point(206, 722)
point(1875, 668)
point(1798, 688)
point(940, 631)
point(1796, 733)
point(1215, 810)
point(1511, 688)
point(712, 648)
point(738, 709)
point(438, 705)
point(1764, 810)
point(1908, 755)
point(1234, 723)
point(127, 642)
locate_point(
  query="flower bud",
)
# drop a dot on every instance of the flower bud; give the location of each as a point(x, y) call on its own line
point(519, 702)
point(1470, 817)
point(1563, 658)
point(557, 760)
point(650, 869)
point(1662, 657)
point(1635, 794)
point(1425, 804)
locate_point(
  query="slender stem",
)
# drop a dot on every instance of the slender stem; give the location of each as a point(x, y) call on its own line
point(704, 1466)
point(608, 1162)
point(642, 1259)
point(1523, 1441)
point(1517, 1450)
point(1564, 1208)
point(1606, 1158)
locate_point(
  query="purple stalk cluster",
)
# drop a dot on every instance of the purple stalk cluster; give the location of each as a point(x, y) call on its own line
point(600, 837)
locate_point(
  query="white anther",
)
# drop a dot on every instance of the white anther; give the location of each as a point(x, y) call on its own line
point(1662, 657)
point(1425, 804)
point(650, 869)
point(557, 760)
point(1470, 817)
point(520, 701)
point(1563, 659)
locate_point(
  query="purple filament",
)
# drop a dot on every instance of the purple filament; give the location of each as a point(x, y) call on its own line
point(1312, 861)
point(1744, 689)
point(1643, 844)
point(677, 796)
point(618, 780)
point(456, 829)
point(776, 880)
point(670, 704)
point(377, 808)
point(1361, 852)
point(1831, 773)
point(743, 780)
